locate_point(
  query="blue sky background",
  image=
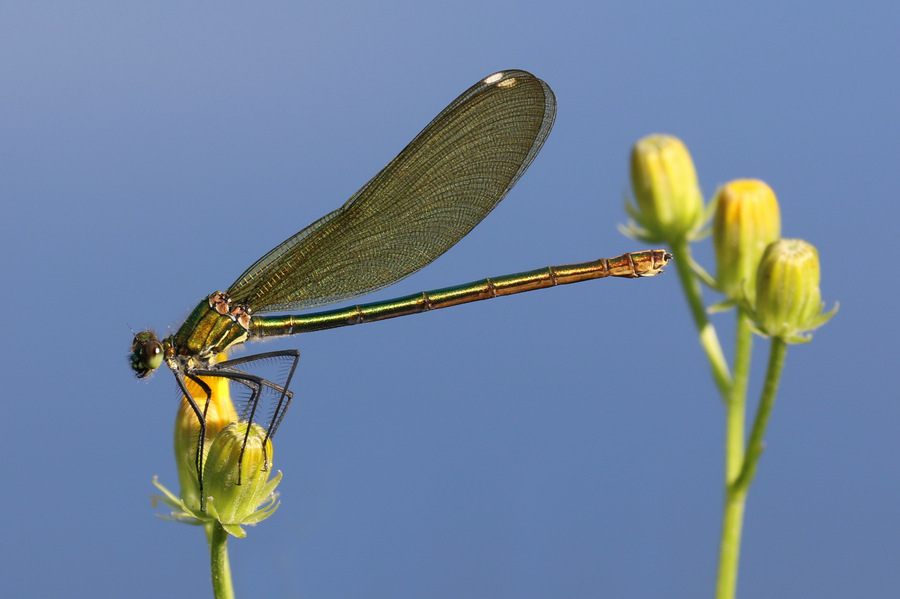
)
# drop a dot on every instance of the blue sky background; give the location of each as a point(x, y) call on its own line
point(565, 443)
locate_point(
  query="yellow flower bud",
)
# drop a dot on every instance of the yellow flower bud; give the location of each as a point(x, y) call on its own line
point(231, 462)
point(220, 413)
point(788, 300)
point(664, 182)
point(747, 219)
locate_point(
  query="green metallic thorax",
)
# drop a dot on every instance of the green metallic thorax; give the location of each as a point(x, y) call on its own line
point(206, 332)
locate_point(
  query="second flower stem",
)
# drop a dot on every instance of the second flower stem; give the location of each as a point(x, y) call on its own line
point(708, 338)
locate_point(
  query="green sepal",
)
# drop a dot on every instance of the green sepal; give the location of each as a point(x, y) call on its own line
point(723, 306)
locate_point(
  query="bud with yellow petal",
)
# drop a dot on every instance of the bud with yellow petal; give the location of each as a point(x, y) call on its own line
point(236, 491)
point(187, 432)
point(747, 219)
point(788, 300)
point(236, 477)
point(664, 183)
point(219, 414)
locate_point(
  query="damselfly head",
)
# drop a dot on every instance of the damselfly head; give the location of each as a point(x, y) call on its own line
point(146, 353)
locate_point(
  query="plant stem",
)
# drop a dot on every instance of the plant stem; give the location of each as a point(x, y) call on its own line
point(735, 502)
point(777, 353)
point(730, 548)
point(736, 401)
point(708, 338)
point(737, 488)
point(219, 565)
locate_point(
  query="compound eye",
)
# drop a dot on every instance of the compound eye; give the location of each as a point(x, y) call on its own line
point(147, 353)
point(153, 354)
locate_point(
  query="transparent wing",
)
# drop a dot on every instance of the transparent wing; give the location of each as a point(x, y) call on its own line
point(428, 198)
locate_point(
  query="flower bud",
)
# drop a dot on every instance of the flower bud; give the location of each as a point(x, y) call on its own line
point(747, 219)
point(231, 462)
point(664, 182)
point(788, 300)
point(219, 414)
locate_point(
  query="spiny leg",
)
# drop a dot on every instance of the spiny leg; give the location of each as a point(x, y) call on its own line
point(284, 400)
point(201, 420)
point(255, 384)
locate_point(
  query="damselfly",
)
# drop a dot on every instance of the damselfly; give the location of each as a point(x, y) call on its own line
point(423, 202)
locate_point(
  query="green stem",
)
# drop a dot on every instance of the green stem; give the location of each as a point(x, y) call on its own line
point(735, 501)
point(755, 445)
point(736, 402)
point(730, 549)
point(737, 488)
point(708, 338)
point(219, 565)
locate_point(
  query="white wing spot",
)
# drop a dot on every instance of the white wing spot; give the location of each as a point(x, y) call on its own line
point(493, 78)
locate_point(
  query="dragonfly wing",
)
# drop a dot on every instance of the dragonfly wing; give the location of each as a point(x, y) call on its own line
point(423, 202)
